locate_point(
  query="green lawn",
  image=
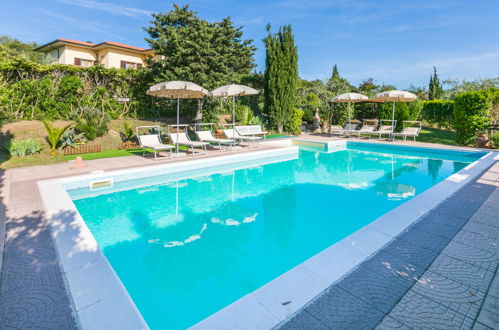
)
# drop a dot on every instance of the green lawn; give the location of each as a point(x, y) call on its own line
point(435, 135)
point(427, 134)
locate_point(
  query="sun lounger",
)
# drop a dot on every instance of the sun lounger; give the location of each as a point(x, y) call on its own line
point(206, 136)
point(184, 140)
point(233, 134)
point(153, 142)
point(384, 130)
point(365, 129)
point(411, 131)
point(336, 129)
point(348, 129)
point(251, 130)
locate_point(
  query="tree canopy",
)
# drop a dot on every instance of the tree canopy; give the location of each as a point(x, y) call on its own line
point(435, 90)
point(210, 54)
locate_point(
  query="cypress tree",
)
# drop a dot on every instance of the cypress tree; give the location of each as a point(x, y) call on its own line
point(281, 76)
point(435, 90)
point(336, 74)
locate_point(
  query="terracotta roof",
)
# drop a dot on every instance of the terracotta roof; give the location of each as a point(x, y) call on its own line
point(75, 42)
point(122, 45)
point(91, 45)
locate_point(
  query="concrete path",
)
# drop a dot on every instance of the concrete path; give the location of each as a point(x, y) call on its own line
point(438, 274)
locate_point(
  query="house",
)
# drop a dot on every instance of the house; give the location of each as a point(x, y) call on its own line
point(85, 54)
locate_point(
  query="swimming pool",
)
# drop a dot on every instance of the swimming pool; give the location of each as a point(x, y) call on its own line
point(185, 248)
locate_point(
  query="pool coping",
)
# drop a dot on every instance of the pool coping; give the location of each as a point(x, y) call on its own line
point(277, 300)
point(97, 291)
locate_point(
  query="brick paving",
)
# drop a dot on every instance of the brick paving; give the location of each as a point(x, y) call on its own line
point(436, 274)
point(440, 273)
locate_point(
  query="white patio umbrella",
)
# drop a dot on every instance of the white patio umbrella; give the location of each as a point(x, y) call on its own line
point(177, 90)
point(395, 96)
point(233, 90)
point(349, 98)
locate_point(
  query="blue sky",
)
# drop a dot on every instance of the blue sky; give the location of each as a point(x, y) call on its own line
point(395, 42)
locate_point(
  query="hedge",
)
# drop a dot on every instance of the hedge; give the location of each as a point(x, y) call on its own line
point(30, 91)
point(439, 113)
point(471, 115)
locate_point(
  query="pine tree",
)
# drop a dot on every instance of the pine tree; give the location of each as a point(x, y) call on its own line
point(435, 90)
point(281, 76)
point(189, 48)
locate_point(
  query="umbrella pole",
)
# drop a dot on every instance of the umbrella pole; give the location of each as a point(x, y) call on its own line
point(178, 120)
point(393, 117)
point(233, 117)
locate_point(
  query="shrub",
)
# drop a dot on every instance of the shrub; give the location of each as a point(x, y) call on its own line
point(54, 134)
point(471, 110)
point(23, 147)
point(293, 125)
point(71, 138)
point(439, 113)
point(93, 123)
point(244, 114)
point(128, 133)
point(495, 139)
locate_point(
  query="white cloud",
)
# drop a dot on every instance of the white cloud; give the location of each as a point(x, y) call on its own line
point(109, 7)
point(78, 24)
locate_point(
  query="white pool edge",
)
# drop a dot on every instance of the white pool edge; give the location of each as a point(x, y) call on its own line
point(100, 299)
point(98, 293)
point(276, 301)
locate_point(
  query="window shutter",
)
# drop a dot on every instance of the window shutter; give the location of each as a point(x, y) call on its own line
point(123, 64)
point(77, 61)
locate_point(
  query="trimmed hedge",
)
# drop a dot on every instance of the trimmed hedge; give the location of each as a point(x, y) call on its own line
point(439, 113)
point(471, 115)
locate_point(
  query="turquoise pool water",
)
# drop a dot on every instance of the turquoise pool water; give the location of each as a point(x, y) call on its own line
point(186, 248)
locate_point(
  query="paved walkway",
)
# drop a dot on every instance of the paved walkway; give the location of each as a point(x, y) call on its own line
point(441, 273)
point(33, 292)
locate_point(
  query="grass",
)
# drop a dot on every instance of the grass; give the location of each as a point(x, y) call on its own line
point(427, 134)
point(435, 135)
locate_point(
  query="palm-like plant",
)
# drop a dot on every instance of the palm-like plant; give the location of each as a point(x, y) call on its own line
point(54, 135)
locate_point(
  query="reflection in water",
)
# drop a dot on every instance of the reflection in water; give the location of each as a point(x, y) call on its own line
point(186, 248)
point(434, 166)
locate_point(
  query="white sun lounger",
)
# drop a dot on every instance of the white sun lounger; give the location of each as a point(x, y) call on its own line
point(384, 130)
point(348, 129)
point(336, 129)
point(207, 136)
point(153, 142)
point(412, 131)
point(251, 130)
point(233, 134)
point(184, 140)
point(365, 129)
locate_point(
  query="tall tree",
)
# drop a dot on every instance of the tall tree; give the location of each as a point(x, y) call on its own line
point(281, 76)
point(335, 74)
point(210, 54)
point(435, 90)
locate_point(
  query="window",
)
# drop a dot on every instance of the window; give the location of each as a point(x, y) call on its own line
point(130, 65)
point(83, 62)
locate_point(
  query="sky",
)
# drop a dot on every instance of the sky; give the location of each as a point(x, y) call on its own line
point(394, 42)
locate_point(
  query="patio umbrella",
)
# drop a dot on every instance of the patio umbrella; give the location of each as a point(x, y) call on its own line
point(349, 98)
point(395, 96)
point(233, 90)
point(177, 90)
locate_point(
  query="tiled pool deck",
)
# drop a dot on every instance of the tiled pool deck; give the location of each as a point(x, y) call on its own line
point(438, 274)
